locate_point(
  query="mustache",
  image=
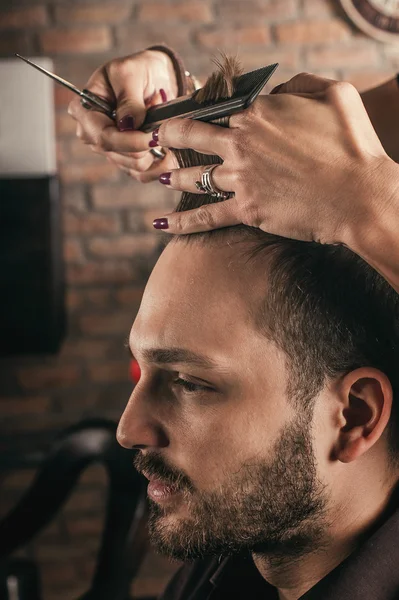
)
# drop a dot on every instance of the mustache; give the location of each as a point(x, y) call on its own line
point(154, 465)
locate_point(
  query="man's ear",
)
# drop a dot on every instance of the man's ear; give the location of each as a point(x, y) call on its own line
point(366, 402)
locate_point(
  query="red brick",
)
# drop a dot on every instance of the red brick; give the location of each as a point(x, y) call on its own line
point(73, 300)
point(98, 298)
point(59, 41)
point(60, 151)
point(46, 377)
point(73, 251)
point(95, 474)
point(42, 422)
point(57, 574)
point(65, 552)
point(19, 479)
point(27, 16)
point(110, 372)
point(88, 172)
point(74, 197)
point(84, 349)
point(110, 324)
point(62, 96)
point(232, 36)
point(320, 8)
point(339, 56)
point(130, 295)
point(189, 10)
point(15, 41)
point(99, 273)
point(123, 245)
point(87, 526)
point(84, 500)
point(64, 124)
point(133, 36)
point(288, 57)
point(313, 32)
point(76, 149)
point(106, 12)
point(366, 79)
point(86, 569)
point(131, 195)
point(24, 406)
point(257, 9)
point(91, 223)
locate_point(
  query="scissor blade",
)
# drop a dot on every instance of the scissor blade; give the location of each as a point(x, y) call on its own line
point(60, 80)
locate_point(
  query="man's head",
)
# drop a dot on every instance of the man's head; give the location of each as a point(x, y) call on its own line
point(268, 372)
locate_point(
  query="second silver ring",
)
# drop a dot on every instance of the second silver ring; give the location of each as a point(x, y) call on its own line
point(207, 185)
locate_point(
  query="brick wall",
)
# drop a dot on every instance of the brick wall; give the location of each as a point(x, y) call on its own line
point(110, 247)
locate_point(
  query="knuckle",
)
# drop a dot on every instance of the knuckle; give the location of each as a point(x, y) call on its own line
point(101, 139)
point(143, 177)
point(205, 218)
point(249, 214)
point(184, 130)
point(114, 67)
point(140, 166)
point(238, 142)
point(341, 91)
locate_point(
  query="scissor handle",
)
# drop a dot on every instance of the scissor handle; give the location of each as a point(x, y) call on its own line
point(93, 102)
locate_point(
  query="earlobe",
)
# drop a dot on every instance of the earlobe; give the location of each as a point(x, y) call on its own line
point(366, 396)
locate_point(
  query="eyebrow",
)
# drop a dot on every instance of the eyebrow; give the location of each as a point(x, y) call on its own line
point(167, 356)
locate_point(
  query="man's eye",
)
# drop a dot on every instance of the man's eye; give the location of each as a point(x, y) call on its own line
point(189, 386)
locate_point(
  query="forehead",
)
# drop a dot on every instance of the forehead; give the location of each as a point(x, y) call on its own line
point(200, 292)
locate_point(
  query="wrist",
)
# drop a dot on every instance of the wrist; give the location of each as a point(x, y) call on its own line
point(375, 209)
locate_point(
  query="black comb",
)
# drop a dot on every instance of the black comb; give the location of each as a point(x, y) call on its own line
point(248, 86)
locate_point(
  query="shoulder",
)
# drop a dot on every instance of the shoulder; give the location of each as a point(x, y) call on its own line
point(191, 578)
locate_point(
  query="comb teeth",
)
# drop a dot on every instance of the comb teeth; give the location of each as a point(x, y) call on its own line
point(254, 80)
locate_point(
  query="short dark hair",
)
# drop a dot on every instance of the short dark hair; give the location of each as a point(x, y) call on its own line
point(326, 308)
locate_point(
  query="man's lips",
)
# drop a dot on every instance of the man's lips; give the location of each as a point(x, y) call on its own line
point(159, 490)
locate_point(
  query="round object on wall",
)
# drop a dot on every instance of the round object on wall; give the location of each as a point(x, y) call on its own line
point(378, 18)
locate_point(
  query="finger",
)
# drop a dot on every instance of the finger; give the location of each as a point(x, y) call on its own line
point(128, 86)
point(91, 124)
point(202, 137)
point(185, 179)
point(205, 218)
point(304, 83)
point(137, 164)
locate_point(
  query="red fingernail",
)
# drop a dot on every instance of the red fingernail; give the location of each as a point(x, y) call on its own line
point(126, 123)
point(165, 178)
point(153, 144)
point(163, 95)
point(161, 223)
point(155, 135)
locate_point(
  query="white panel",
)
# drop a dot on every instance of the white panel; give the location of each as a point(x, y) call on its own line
point(27, 130)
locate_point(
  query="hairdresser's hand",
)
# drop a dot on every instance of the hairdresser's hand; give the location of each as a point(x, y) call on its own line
point(133, 83)
point(303, 163)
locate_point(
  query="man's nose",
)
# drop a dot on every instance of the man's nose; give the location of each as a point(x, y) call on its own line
point(139, 427)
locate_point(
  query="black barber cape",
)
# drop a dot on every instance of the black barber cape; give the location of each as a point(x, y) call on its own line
point(369, 573)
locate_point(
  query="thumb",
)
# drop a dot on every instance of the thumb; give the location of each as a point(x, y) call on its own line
point(204, 218)
point(129, 95)
point(304, 83)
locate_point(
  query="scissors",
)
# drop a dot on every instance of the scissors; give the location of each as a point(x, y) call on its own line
point(88, 99)
point(247, 88)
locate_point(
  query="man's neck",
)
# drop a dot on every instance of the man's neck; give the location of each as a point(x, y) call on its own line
point(293, 577)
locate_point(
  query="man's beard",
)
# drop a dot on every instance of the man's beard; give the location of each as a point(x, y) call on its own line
point(276, 507)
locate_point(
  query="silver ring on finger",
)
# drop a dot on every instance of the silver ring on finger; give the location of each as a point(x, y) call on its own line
point(158, 153)
point(207, 185)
